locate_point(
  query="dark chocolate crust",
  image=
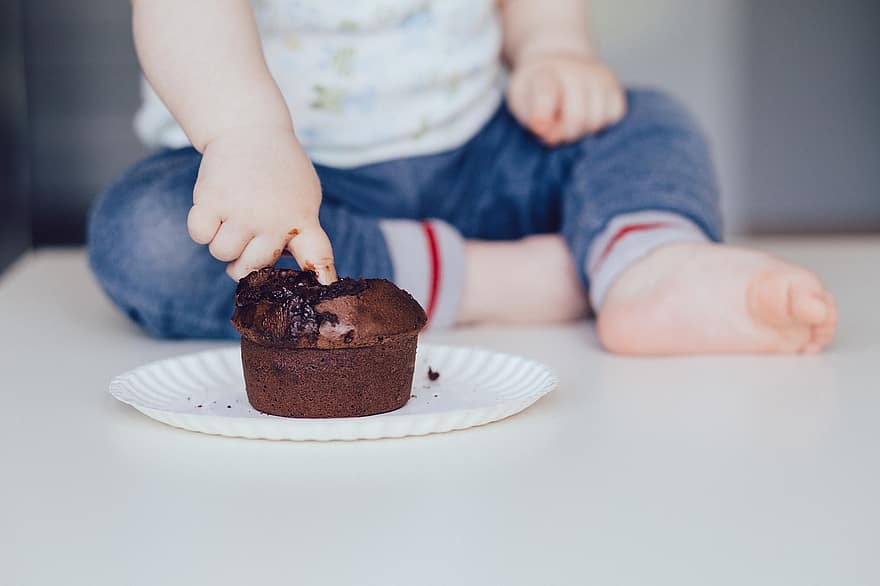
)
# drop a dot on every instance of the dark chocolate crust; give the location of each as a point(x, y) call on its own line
point(283, 308)
point(314, 383)
point(340, 350)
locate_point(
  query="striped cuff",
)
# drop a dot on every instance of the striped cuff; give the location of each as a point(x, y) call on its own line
point(428, 259)
point(626, 239)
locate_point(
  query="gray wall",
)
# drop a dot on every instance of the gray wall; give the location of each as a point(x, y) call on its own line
point(82, 81)
point(786, 89)
point(813, 116)
point(693, 49)
point(14, 232)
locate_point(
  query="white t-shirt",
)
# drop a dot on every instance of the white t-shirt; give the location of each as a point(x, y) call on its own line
point(370, 81)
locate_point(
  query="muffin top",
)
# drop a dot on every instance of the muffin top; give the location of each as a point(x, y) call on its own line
point(285, 308)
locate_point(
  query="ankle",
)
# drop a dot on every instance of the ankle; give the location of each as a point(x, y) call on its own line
point(532, 280)
point(478, 267)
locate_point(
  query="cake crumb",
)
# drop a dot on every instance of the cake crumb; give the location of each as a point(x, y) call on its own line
point(433, 374)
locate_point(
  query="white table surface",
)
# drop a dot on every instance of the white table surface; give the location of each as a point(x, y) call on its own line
point(704, 471)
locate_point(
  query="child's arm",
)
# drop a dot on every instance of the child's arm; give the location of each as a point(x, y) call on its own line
point(257, 191)
point(559, 88)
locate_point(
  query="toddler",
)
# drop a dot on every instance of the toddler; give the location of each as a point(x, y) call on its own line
point(477, 153)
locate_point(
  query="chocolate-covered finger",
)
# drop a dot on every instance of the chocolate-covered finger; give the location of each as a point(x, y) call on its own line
point(313, 252)
point(260, 252)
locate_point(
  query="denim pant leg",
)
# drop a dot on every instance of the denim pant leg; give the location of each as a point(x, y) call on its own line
point(142, 255)
point(503, 184)
point(656, 159)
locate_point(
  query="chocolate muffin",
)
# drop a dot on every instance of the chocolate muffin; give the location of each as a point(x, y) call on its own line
point(341, 350)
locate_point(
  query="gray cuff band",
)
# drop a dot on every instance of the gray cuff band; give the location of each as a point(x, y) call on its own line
point(414, 269)
point(616, 248)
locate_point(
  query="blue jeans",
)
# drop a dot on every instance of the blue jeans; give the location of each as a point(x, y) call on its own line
point(502, 184)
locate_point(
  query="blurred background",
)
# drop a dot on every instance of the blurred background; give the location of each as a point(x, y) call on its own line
point(788, 91)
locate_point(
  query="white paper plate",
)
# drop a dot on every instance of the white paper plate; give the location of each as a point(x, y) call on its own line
point(205, 392)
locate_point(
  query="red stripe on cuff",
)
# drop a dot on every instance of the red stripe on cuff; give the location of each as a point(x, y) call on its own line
point(620, 234)
point(434, 254)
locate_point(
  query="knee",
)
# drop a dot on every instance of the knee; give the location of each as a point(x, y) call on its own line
point(134, 229)
point(657, 113)
point(139, 248)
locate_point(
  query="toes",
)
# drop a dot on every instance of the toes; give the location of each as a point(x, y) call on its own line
point(831, 322)
point(807, 306)
point(769, 299)
point(797, 306)
point(822, 333)
point(784, 299)
point(812, 348)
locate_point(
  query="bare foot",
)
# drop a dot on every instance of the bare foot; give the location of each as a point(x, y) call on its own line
point(698, 298)
point(532, 280)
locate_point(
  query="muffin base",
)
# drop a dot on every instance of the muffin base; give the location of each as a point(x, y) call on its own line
point(319, 383)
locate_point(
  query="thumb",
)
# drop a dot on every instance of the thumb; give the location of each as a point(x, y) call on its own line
point(313, 252)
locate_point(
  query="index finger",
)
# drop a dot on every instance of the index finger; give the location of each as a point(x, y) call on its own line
point(312, 250)
point(543, 99)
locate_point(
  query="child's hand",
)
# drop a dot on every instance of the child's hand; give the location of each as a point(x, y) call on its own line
point(257, 194)
point(562, 98)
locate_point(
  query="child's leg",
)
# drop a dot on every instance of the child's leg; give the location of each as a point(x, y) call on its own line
point(143, 257)
point(528, 280)
point(501, 192)
point(640, 213)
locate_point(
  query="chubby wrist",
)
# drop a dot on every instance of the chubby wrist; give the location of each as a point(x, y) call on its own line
point(572, 48)
point(247, 133)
